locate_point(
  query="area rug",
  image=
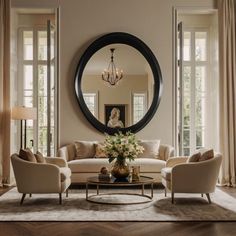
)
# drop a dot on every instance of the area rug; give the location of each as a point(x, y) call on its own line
point(45, 207)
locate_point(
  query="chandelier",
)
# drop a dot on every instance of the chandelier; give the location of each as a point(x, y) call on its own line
point(112, 75)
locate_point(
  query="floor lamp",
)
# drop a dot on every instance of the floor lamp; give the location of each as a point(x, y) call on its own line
point(23, 114)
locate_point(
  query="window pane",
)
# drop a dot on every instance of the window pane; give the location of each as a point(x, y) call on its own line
point(198, 116)
point(42, 111)
point(186, 151)
point(138, 106)
point(187, 78)
point(186, 138)
point(200, 46)
point(199, 138)
point(186, 95)
point(28, 77)
point(28, 45)
point(30, 135)
point(42, 45)
point(28, 101)
point(30, 123)
point(42, 124)
point(187, 46)
point(28, 93)
point(42, 142)
point(186, 111)
point(90, 100)
point(200, 78)
point(42, 80)
point(200, 111)
point(200, 100)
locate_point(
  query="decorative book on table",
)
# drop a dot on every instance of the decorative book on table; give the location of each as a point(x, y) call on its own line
point(104, 176)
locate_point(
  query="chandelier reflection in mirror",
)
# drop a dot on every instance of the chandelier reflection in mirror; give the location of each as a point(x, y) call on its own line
point(112, 75)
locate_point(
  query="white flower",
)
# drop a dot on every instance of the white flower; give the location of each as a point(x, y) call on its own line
point(115, 154)
point(126, 154)
point(122, 145)
point(131, 148)
point(119, 148)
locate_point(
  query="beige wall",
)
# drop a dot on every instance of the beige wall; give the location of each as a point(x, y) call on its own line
point(83, 21)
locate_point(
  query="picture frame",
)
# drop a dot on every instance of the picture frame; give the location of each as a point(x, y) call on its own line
point(108, 108)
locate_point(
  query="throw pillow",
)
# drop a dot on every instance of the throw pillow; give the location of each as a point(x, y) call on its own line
point(84, 149)
point(151, 148)
point(194, 158)
point(207, 155)
point(27, 155)
point(39, 157)
point(99, 151)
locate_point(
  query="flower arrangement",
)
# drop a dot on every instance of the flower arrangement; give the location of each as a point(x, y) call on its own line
point(122, 147)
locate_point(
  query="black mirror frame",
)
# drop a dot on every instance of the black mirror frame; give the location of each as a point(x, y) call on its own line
point(121, 38)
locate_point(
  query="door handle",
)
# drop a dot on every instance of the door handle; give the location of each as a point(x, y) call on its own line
point(32, 142)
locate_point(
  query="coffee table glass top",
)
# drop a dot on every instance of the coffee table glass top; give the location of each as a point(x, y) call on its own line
point(125, 181)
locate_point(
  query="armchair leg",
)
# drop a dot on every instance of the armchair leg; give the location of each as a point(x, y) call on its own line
point(165, 192)
point(22, 199)
point(208, 198)
point(30, 194)
point(67, 192)
point(60, 198)
point(172, 197)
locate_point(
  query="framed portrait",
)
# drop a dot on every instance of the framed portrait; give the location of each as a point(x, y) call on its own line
point(115, 115)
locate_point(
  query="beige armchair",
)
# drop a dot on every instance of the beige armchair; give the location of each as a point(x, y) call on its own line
point(50, 177)
point(194, 177)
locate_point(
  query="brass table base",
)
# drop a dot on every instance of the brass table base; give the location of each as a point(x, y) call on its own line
point(92, 198)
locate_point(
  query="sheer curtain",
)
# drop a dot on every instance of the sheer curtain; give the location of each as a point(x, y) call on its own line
point(5, 114)
point(227, 55)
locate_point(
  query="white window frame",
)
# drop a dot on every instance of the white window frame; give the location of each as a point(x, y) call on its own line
point(35, 63)
point(193, 64)
point(95, 96)
point(143, 94)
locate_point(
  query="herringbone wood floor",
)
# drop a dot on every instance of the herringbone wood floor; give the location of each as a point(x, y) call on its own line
point(118, 228)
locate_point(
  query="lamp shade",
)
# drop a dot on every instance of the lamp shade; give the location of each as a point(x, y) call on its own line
point(24, 113)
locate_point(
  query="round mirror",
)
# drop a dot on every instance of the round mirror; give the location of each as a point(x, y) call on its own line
point(118, 83)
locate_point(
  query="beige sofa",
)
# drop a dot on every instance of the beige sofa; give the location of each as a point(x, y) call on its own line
point(82, 168)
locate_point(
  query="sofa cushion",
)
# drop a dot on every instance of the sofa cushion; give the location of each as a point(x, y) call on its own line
point(194, 158)
point(148, 164)
point(39, 157)
point(99, 150)
point(27, 155)
point(207, 155)
point(166, 173)
point(94, 165)
point(65, 173)
point(84, 149)
point(151, 148)
point(88, 165)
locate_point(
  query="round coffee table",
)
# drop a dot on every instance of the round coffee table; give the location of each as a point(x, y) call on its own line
point(142, 182)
